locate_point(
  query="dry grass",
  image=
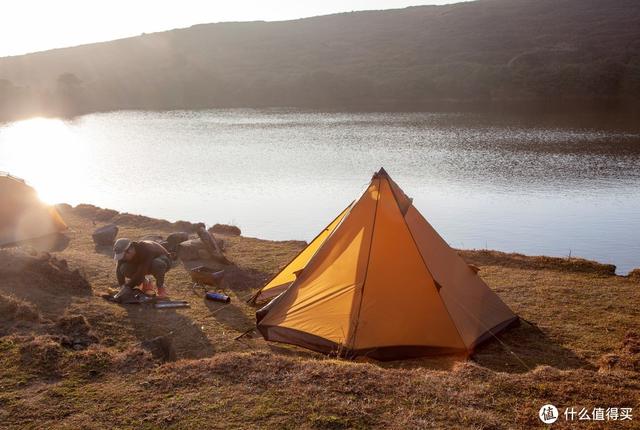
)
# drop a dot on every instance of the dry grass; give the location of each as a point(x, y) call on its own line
point(14, 310)
point(70, 359)
point(627, 357)
point(520, 261)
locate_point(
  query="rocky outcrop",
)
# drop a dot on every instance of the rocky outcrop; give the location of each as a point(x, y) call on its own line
point(175, 239)
point(105, 235)
point(194, 249)
point(229, 230)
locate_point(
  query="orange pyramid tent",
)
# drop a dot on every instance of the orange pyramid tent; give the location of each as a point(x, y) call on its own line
point(381, 282)
point(22, 215)
point(287, 275)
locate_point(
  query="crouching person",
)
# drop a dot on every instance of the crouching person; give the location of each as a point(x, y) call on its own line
point(135, 261)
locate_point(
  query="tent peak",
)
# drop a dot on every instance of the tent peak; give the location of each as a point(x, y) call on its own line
point(381, 173)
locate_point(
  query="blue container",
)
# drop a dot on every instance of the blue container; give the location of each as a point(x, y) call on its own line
point(218, 297)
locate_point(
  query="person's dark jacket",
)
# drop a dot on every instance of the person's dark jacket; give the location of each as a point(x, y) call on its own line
point(146, 252)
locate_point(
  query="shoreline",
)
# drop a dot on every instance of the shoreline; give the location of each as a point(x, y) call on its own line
point(624, 119)
point(474, 256)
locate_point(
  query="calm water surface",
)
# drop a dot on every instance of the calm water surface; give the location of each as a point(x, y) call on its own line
point(483, 182)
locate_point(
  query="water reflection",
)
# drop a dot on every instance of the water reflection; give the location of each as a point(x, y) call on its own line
point(47, 153)
point(540, 187)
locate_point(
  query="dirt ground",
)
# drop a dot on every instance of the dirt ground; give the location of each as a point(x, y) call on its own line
point(70, 359)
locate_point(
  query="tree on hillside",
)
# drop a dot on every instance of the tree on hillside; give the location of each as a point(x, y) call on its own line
point(69, 95)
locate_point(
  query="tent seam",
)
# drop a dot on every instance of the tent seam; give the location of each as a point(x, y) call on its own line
point(253, 298)
point(366, 272)
point(434, 280)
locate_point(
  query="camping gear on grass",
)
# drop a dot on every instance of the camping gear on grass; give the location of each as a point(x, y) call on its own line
point(139, 298)
point(171, 304)
point(218, 297)
point(135, 298)
point(203, 276)
point(383, 284)
point(22, 215)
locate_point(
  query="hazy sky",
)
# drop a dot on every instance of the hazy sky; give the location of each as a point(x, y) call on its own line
point(36, 25)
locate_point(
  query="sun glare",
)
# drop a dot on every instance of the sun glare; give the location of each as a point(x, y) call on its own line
point(46, 154)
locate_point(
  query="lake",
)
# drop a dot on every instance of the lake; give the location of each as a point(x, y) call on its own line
point(536, 186)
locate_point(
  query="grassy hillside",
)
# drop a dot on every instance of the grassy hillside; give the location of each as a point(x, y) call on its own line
point(531, 52)
point(70, 359)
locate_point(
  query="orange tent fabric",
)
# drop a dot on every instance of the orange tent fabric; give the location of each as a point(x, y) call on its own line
point(22, 215)
point(287, 275)
point(384, 284)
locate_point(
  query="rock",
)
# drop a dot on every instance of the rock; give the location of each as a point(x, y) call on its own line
point(635, 274)
point(185, 226)
point(188, 250)
point(153, 238)
point(175, 239)
point(194, 249)
point(166, 245)
point(229, 230)
point(105, 235)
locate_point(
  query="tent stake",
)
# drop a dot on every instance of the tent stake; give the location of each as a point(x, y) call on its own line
point(245, 333)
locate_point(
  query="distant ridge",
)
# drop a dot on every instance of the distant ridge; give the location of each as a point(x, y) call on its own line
point(542, 53)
